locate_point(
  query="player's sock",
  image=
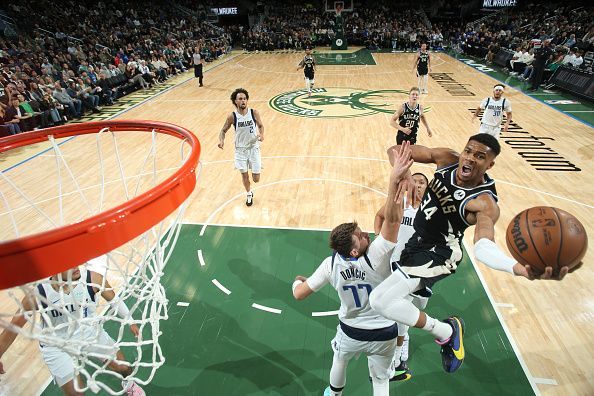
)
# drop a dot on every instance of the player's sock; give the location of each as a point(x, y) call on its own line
point(404, 354)
point(440, 330)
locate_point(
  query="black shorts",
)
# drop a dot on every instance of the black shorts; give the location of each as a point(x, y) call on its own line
point(402, 137)
point(422, 71)
point(309, 74)
point(417, 254)
point(198, 70)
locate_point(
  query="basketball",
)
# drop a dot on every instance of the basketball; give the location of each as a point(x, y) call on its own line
point(546, 237)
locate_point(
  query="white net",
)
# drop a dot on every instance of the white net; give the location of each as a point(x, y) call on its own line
point(105, 313)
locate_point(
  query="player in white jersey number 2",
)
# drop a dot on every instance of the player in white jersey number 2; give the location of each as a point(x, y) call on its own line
point(67, 299)
point(420, 298)
point(249, 132)
point(354, 269)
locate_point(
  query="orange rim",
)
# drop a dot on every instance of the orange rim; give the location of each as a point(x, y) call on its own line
point(44, 254)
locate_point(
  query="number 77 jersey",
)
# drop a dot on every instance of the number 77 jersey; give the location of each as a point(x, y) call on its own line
point(354, 279)
point(441, 218)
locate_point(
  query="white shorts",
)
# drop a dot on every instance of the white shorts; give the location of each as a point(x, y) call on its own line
point(491, 130)
point(61, 363)
point(248, 158)
point(379, 353)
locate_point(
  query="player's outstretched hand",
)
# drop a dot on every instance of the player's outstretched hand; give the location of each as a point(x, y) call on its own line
point(2, 369)
point(134, 329)
point(402, 162)
point(221, 145)
point(526, 272)
point(429, 133)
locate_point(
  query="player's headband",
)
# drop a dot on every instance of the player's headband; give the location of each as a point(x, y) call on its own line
point(498, 87)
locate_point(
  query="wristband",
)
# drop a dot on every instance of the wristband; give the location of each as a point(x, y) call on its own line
point(121, 310)
point(295, 284)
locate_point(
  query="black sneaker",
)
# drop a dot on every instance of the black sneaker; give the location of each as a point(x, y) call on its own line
point(401, 373)
point(452, 350)
point(250, 199)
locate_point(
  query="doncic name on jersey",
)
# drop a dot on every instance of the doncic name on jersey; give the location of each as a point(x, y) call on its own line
point(326, 102)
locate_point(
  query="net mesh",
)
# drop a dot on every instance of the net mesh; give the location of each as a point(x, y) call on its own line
point(80, 312)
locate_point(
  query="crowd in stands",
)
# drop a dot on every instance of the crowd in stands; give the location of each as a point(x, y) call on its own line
point(83, 55)
point(568, 30)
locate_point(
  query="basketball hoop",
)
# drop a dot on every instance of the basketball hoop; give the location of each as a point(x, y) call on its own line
point(338, 7)
point(88, 203)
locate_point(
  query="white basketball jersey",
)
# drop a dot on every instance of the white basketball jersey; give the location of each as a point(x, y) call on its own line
point(354, 279)
point(63, 310)
point(493, 110)
point(246, 130)
point(405, 232)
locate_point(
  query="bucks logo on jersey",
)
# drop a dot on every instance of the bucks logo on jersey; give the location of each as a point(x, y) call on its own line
point(338, 102)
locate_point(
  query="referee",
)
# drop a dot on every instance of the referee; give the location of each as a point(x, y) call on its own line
point(198, 61)
point(541, 56)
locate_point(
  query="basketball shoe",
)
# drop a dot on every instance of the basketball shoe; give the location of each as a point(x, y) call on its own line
point(401, 373)
point(452, 349)
point(250, 199)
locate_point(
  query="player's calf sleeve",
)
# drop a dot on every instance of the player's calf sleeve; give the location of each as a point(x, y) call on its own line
point(311, 83)
point(381, 388)
point(337, 376)
point(307, 84)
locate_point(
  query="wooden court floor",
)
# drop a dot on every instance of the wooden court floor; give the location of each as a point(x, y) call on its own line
point(324, 163)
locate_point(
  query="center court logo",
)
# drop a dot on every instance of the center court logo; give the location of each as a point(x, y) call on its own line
point(339, 102)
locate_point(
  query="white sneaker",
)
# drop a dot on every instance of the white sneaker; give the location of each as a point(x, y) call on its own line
point(250, 199)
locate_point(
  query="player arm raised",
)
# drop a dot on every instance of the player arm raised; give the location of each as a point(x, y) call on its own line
point(399, 184)
point(8, 336)
point(441, 156)
point(224, 129)
point(108, 294)
point(485, 211)
point(260, 125)
point(424, 121)
point(304, 287)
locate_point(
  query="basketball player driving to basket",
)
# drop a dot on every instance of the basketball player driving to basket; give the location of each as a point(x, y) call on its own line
point(461, 194)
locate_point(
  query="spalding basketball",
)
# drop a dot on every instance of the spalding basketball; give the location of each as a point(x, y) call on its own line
point(546, 237)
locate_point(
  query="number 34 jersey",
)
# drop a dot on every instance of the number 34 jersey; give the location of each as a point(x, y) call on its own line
point(441, 218)
point(354, 279)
